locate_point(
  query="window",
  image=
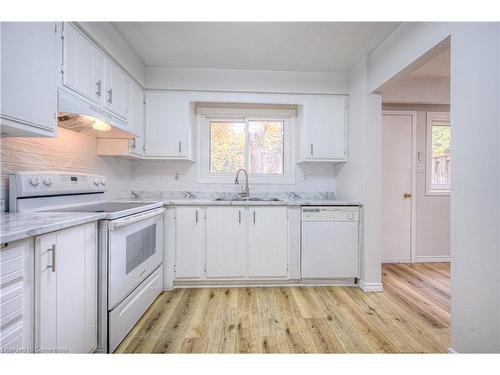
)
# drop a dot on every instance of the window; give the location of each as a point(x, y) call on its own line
point(258, 140)
point(438, 166)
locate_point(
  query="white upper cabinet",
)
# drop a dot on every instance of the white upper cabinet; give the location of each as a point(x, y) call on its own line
point(117, 90)
point(322, 135)
point(168, 125)
point(136, 119)
point(28, 75)
point(66, 293)
point(268, 242)
point(82, 69)
point(87, 71)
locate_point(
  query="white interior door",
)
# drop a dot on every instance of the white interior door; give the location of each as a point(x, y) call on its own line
point(397, 146)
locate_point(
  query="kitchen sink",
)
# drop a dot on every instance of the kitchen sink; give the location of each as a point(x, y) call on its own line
point(252, 199)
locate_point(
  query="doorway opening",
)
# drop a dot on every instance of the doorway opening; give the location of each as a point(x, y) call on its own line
point(416, 164)
point(416, 185)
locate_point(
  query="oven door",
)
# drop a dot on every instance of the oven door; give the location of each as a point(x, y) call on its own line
point(135, 250)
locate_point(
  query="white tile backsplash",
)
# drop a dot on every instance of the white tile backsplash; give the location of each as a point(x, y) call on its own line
point(72, 151)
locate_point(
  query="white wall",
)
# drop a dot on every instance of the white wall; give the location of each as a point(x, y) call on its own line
point(475, 200)
point(70, 151)
point(432, 211)
point(418, 91)
point(108, 38)
point(358, 178)
point(246, 80)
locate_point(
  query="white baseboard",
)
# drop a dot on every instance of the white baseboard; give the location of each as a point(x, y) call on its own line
point(370, 287)
point(396, 260)
point(432, 258)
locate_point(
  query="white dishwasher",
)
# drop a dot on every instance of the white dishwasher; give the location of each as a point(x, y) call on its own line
point(330, 242)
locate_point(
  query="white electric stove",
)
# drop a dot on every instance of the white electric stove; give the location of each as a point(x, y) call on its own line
point(130, 243)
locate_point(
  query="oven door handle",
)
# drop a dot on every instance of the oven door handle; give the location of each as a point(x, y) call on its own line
point(120, 223)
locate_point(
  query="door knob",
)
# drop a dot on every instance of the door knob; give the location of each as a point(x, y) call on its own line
point(407, 195)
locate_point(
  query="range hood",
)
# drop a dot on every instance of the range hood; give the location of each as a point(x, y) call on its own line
point(78, 115)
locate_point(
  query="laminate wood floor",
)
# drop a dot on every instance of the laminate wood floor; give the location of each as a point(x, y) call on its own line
point(412, 315)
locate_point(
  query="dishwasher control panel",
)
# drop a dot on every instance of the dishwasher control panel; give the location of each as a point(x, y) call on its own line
point(330, 213)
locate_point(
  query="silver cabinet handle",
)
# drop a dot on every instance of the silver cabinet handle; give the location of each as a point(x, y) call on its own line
point(312, 149)
point(254, 217)
point(110, 96)
point(99, 88)
point(53, 259)
point(239, 217)
point(196, 216)
point(180, 146)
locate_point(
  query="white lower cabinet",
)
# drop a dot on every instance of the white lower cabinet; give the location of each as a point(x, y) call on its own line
point(190, 244)
point(66, 292)
point(268, 242)
point(16, 297)
point(226, 250)
point(231, 243)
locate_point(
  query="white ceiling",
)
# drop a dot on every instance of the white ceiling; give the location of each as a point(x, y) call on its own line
point(300, 46)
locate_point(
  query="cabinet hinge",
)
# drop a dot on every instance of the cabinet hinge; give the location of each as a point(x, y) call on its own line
point(144, 148)
point(205, 268)
point(175, 268)
point(55, 27)
point(62, 68)
point(288, 267)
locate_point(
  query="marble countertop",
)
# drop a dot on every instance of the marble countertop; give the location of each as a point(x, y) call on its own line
point(284, 202)
point(18, 225)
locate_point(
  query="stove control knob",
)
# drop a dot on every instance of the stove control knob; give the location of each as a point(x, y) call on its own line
point(47, 181)
point(96, 181)
point(103, 181)
point(34, 181)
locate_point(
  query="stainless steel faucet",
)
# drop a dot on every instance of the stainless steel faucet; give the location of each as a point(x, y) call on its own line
point(246, 193)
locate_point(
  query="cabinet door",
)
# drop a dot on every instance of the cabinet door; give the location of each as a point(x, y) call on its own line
point(117, 90)
point(226, 252)
point(78, 62)
point(167, 125)
point(67, 290)
point(136, 120)
point(268, 242)
point(28, 74)
point(46, 294)
point(325, 123)
point(189, 243)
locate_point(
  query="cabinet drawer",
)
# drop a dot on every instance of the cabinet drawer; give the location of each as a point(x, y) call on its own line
point(11, 303)
point(12, 337)
point(11, 264)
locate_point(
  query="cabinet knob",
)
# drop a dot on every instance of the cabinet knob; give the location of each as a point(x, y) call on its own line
point(407, 195)
point(312, 149)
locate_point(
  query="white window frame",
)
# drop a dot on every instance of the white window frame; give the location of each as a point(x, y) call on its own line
point(430, 189)
point(206, 115)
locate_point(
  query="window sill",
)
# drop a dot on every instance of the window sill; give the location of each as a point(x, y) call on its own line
point(438, 192)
